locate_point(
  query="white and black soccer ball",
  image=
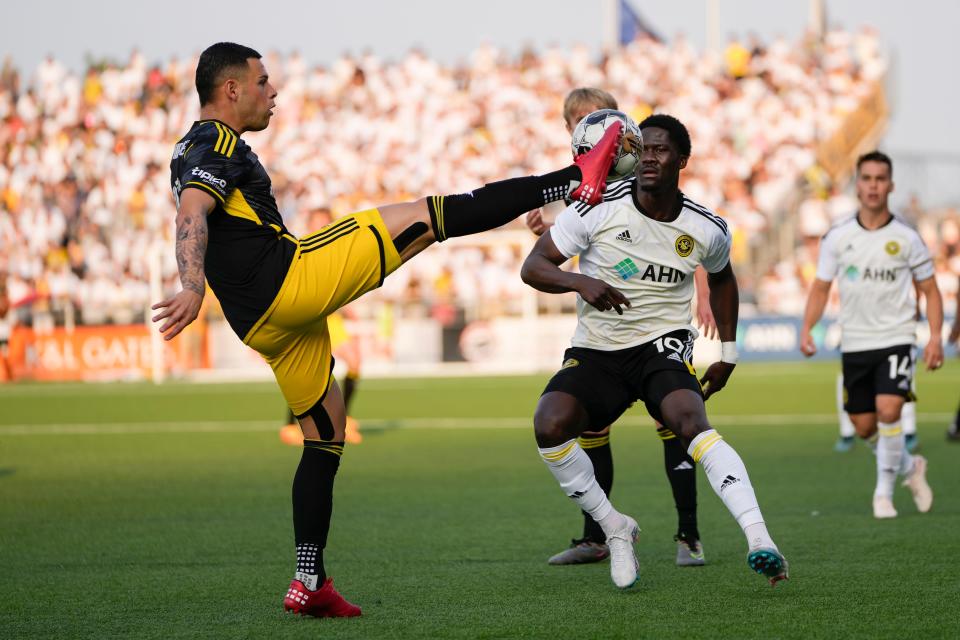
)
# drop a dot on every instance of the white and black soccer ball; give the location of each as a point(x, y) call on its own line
point(591, 129)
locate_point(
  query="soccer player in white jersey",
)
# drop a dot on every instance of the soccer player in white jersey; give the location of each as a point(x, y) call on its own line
point(634, 339)
point(876, 258)
point(678, 465)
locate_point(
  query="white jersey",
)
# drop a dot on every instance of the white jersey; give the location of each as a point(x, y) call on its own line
point(875, 270)
point(651, 262)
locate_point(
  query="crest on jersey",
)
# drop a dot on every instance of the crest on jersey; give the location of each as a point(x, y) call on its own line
point(684, 246)
point(570, 363)
point(892, 247)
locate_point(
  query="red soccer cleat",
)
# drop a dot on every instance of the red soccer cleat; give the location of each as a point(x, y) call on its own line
point(595, 165)
point(325, 602)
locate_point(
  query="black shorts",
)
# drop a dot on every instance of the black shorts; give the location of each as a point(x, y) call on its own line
point(867, 374)
point(607, 382)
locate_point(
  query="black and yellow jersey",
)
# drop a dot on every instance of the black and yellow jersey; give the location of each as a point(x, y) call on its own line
point(249, 250)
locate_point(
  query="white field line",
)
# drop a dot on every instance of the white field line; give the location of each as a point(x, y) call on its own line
point(241, 426)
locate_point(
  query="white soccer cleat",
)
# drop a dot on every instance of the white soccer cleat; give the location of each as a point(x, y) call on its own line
point(623, 560)
point(883, 508)
point(917, 483)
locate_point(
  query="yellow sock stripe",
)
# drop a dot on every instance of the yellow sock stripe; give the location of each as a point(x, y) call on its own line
point(705, 445)
point(443, 217)
point(438, 214)
point(593, 443)
point(666, 434)
point(895, 430)
point(559, 455)
point(216, 147)
point(336, 448)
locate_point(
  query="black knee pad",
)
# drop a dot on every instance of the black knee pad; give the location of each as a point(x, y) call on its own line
point(320, 418)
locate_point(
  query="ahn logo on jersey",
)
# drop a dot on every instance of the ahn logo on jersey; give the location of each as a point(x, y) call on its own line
point(684, 245)
point(852, 273)
point(209, 178)
point(892, 247)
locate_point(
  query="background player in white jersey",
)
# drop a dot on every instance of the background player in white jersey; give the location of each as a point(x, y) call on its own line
point(876, 257)
point(908, 415)
point(634, 339)
point(679, 467)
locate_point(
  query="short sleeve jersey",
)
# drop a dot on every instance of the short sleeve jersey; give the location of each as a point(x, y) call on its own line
point(650, 261)
point(248, 250)
point(875, 270)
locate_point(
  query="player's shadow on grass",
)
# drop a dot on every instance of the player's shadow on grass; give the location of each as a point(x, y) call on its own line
point(7, 471)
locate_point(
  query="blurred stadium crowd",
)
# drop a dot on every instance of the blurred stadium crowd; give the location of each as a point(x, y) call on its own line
point(85, 194)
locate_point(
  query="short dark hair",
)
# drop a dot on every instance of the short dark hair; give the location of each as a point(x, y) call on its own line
point(875, 156)
point(216, 60)
point(678, 133)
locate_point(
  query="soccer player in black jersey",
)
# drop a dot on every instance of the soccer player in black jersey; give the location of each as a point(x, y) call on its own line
point(276, 290)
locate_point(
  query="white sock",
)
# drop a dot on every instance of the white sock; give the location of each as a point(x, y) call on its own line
point(891, 451)
point(846, 424)
point(573, 470)
point(908, 418)
point(729, 479)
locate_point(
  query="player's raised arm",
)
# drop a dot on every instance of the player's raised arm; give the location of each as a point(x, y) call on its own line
point(725, 304)
point(191, 246)
point(933, 352)
point(541, 270)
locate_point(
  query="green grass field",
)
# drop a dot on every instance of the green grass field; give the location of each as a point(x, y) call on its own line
point(140, 511)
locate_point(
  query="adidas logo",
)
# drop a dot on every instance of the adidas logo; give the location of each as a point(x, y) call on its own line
point(624, 236)
point(728, 482)
point(683, 466)
point(576, 494)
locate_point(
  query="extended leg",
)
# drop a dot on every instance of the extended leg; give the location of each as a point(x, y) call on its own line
point(684, 413)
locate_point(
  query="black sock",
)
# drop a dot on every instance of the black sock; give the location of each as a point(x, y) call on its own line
point(598, 450)
point(497, 203)
point(682, 473)
point(313, 504)
point(349, 386)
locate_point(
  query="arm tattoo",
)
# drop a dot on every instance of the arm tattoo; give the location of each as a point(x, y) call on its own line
point(191, 247)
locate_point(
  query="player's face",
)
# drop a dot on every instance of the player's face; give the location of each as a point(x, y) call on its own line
point(255, 103)
point(660, 162)
point(874, 185)
point(579, 114)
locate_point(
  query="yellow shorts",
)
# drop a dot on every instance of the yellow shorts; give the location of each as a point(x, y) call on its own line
point(339, 263)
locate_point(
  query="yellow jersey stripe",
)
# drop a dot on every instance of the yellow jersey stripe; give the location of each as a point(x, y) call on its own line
point(233, 143)
point(554, 456)
point(216, 147)
point(210, 189)
point(705, 445)
point(236, 205)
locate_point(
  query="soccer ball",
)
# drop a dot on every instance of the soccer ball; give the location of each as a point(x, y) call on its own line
point(591, 129)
